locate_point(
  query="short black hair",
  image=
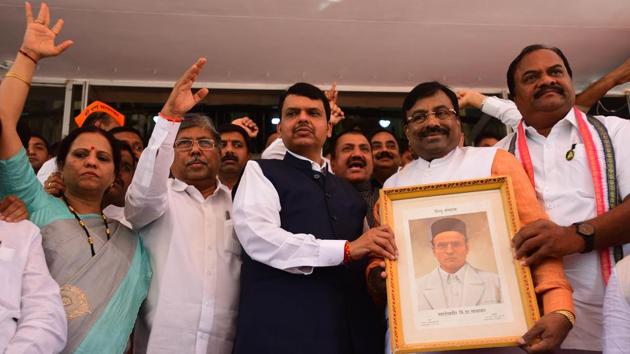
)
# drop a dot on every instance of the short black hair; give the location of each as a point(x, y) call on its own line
point(202, 121)
point(128, 129)
point(352, 130)
point(487, 134)
point(233, 128)
point(424, 90)
point(66, 143)
point(306, 90)
point(96, 117)
point(123, 146)
point(532, 48)
point(33, 135)
point(383, 130)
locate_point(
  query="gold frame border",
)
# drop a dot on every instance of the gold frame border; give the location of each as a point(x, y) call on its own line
point(524, 277)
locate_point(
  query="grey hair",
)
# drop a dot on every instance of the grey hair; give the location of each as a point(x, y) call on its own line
point(199, 120)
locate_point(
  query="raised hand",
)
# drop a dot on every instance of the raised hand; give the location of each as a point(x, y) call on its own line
point(470, 98)
point(336, 114)
point(182, 99)
point(39, 40)
point(248, 124)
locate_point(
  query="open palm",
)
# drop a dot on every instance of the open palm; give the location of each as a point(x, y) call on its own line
point(39, 40)
point(182, 99)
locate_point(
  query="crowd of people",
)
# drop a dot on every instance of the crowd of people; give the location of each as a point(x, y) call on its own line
point(186, 244)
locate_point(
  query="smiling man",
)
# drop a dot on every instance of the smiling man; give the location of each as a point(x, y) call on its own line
point(433, 128)
point(351, 159)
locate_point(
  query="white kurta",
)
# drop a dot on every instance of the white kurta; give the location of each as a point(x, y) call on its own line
point(196, 258)
point(617, 310)
point(565, 189)
point(32, 318)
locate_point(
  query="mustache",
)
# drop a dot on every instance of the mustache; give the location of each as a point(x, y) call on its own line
point(229, 157)
point(302, 125)
point(356, 161)
point(541, 91)
point(381, 154)
point(195, 160)
point(434, 129)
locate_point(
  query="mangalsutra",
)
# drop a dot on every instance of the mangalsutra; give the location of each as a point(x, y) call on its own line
point(82, 224)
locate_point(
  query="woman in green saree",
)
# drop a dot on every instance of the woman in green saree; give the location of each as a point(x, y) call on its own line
point(100, 265)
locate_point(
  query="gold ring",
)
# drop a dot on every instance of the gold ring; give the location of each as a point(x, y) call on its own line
point(41, 22)
point(49, 184)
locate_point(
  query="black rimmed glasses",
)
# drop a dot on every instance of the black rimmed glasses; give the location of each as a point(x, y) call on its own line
point(440, 114)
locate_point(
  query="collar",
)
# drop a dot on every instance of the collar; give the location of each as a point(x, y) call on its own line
point(439, 161)
point(303, 162)
point(461, 273)
point(567, 121)
point(180, 186)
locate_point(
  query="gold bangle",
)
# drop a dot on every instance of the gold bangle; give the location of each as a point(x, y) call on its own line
point(17, 76)
point(568, 314)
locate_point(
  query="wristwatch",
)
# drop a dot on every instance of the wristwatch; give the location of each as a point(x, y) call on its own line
point(587, 232)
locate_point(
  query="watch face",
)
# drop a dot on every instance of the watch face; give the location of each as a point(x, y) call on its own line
point(586, 229)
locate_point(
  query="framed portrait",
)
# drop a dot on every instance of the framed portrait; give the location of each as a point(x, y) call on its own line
point(456, 284)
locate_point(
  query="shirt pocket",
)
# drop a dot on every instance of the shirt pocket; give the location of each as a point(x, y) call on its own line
point(6, 254)
point(231, 243)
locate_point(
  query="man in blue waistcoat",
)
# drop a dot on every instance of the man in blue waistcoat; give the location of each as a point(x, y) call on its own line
point(302, 229)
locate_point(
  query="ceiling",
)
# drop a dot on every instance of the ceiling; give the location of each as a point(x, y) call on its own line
point(363, 45)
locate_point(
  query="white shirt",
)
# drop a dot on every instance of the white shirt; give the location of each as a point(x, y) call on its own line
point(459, 164)
point(616, 315)
point(257, 222)
point(565, 189)
point(453, 285)
point(47, 169)
point(116, 213)
point(193, 299)
point(276, 151)
point(32, 318)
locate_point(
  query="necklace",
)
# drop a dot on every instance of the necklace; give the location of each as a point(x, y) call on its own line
point(82, 224)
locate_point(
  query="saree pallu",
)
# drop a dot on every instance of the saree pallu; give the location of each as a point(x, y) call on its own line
point(101, 294)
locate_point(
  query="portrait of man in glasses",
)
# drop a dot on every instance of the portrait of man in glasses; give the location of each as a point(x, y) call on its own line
point(454, 282)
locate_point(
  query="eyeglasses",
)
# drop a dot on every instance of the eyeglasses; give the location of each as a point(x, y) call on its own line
point(187, 144)
point(440, 114)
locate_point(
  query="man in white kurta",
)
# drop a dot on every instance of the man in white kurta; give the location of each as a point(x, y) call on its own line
point(32, 318)
point(433, 130)
point(185, 223)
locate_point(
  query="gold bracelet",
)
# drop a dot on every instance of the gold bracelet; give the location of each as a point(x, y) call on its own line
point(568, 314)
point(17, 76)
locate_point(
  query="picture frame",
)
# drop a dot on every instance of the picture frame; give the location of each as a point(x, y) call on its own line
point(456, 284)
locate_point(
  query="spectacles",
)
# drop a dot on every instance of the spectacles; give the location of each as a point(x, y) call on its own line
point(440, 114)
point(187, 144)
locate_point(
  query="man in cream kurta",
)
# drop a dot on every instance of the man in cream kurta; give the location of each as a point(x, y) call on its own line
point(433, 130)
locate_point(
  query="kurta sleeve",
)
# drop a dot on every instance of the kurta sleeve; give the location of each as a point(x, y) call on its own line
point(549, 279)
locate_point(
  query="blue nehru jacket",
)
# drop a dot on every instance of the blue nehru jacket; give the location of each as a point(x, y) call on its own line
point(328, 311)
